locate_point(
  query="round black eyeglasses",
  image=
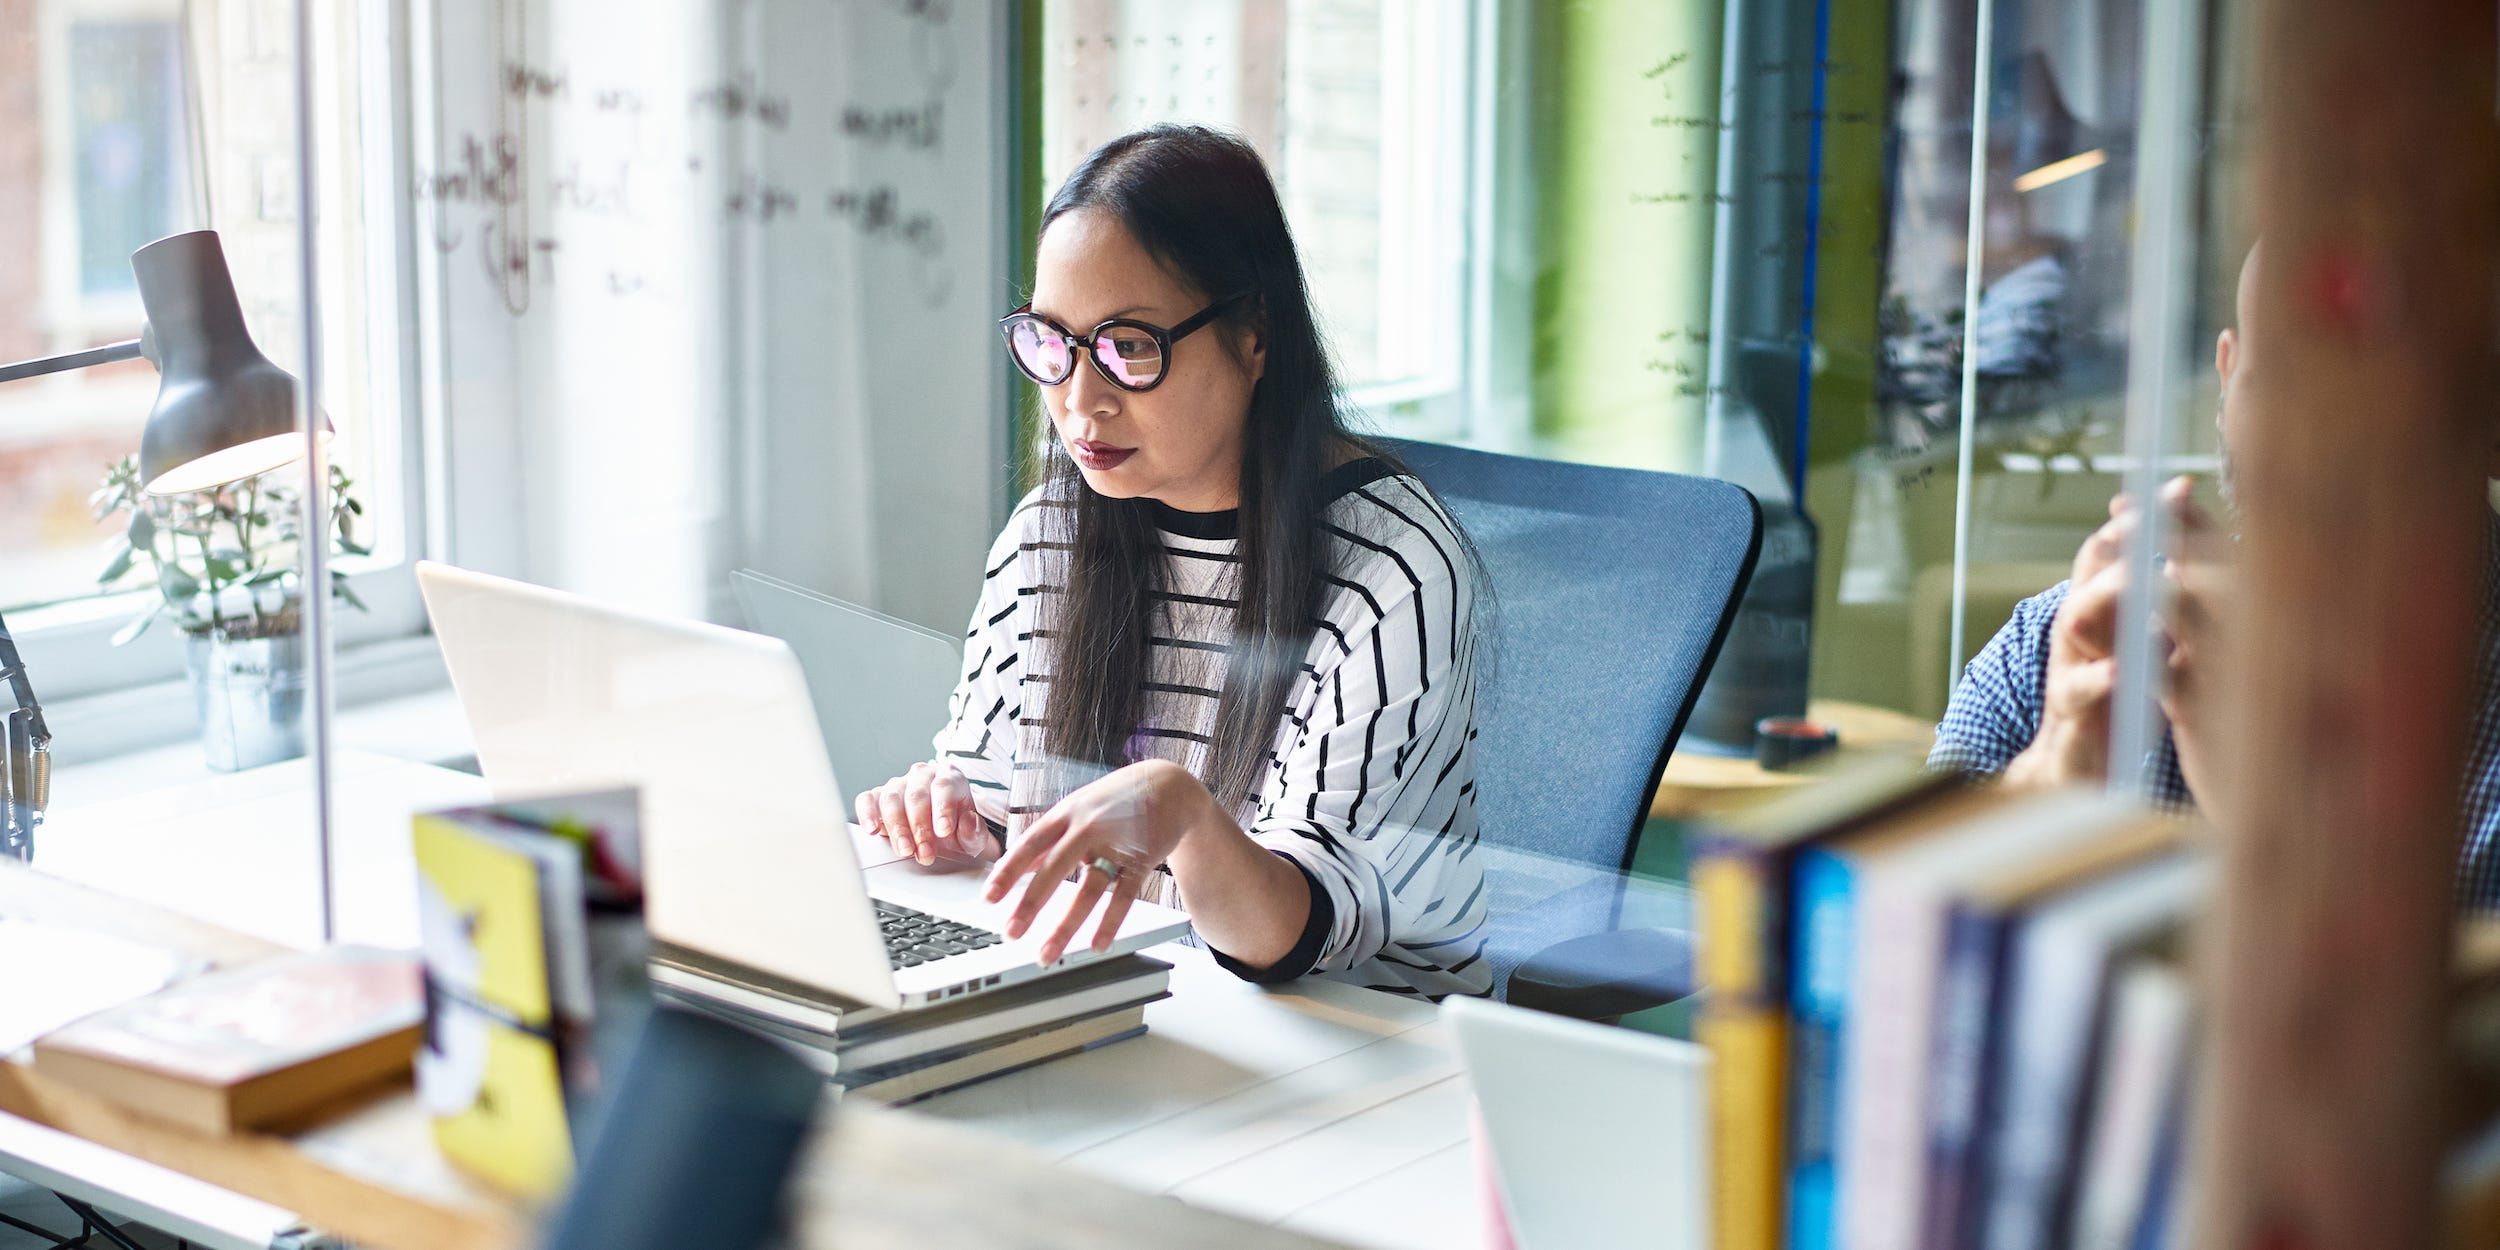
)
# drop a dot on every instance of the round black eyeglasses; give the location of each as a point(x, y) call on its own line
point(1131, 355)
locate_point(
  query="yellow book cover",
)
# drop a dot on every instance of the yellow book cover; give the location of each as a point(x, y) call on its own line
point(1743, 867)
point(1746, 1032)
point(490, 1072)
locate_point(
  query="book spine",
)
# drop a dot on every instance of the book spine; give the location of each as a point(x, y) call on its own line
point(921, 1078)
point(1824, 939)
point(1743, 1021)
point(1959, 1101)
point(898, 1048)
point(2157, 1226)
point(1884, 1067)
point(2145, 1037)
point(695, 985)
point(2044, 1075)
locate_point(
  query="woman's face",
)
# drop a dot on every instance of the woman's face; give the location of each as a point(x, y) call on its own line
point(1179, 443)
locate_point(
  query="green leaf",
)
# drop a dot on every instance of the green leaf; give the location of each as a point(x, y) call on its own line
point(121, 564)
point(136, 627)
point(142, 528)
point(221, 570)
point(356, 507)
point(354, 548)
point(175, 582)
point(266, 576)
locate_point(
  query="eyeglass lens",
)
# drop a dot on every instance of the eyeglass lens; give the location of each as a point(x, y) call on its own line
point(1039, 349)
point(1128, 355)
point(1132, 355)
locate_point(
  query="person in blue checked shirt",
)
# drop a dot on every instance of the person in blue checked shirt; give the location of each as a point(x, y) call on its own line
point(2034, 705)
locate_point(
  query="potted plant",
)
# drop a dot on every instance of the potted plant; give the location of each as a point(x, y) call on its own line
point(225, 565)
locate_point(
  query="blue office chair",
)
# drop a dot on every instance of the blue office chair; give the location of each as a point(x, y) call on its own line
point(1612, 590)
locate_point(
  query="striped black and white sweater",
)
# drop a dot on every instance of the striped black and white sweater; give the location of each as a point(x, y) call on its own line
point(1369, 788)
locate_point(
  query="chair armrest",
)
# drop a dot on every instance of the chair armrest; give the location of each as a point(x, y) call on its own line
point(1605, 975)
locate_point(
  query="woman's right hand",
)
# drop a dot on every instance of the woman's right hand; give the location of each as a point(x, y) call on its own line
point(925, 814)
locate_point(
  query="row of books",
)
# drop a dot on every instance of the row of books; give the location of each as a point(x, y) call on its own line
point(898, 1057)
point(1952, 1017)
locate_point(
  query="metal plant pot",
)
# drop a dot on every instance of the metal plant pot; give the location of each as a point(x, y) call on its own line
point(250, 696)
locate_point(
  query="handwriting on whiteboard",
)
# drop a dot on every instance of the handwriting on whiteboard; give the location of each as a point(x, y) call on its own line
point(523, 216)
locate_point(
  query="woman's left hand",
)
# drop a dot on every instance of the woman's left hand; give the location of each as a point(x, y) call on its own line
point(1131, 820)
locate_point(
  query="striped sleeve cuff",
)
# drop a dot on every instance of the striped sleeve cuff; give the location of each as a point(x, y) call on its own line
point(1306, 949)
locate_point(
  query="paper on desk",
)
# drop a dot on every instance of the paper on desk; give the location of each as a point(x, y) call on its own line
point(51, 975)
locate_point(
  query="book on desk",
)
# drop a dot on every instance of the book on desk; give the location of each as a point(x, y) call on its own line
point(900, 1056)
point(256, 1047)
point(519, 906)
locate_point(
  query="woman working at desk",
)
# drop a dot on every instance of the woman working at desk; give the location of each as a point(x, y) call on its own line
point(1223, 657)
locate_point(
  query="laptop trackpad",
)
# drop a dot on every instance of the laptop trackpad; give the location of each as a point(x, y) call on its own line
point(871, 849)
point(956, 890)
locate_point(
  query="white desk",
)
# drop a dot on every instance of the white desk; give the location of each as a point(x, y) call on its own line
point(1327, 1109)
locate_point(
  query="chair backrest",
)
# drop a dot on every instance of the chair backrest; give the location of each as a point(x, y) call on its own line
point(1612, 590)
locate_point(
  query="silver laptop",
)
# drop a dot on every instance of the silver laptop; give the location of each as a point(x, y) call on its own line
point(1598, 1132)
point(748, 855)
point(880, 683)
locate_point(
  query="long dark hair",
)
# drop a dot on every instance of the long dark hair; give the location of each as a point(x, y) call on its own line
point(1200, 202)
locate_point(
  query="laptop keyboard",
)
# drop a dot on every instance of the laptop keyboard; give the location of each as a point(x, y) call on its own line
point(913, 938)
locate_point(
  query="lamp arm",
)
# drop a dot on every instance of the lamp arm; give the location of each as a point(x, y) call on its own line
point(13, 671)
point(127, 349)
point(25, 759)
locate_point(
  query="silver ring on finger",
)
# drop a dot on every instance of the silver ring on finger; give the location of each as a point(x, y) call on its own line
point(1103, 864)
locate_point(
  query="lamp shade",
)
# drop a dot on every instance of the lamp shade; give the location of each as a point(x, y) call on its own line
point(224, 412)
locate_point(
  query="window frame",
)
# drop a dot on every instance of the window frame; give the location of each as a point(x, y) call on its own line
point(1485, 257)
point(1484, 400)
point(104, 699)
point(1434, 404)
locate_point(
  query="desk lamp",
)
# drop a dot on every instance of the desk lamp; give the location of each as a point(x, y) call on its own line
point(223, 413)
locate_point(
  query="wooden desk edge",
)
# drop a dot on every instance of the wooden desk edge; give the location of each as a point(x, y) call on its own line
point(871, 1178)
point(1695, 784)
point(271, 1169)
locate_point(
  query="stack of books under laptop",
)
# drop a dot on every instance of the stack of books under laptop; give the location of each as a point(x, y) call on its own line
point(898, 1056)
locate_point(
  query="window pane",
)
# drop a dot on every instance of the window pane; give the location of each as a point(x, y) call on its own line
point(93, 162)
point(128, 122)
point(1357, 106)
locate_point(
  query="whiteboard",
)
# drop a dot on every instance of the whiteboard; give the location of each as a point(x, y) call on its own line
point(713, 285)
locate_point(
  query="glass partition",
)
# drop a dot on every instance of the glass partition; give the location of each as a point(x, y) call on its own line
point(625, 308)
point(158, 520)
point(692, 314)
